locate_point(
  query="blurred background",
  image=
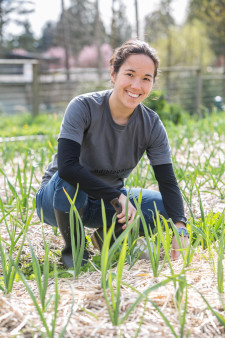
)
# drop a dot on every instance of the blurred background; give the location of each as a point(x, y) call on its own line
point(53, 50)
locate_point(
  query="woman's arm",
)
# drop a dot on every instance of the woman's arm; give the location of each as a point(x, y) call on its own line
point(70, 170)
point(172, 201)
point(170, 192)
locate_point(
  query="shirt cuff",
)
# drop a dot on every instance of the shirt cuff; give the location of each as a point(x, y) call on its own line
point(180, 219)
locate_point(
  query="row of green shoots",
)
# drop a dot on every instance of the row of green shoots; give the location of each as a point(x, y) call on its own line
point(197, 177)
point(124, 248)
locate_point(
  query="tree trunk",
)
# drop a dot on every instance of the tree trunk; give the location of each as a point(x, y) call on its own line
point(113, 26)
point(1, 30)
point(98, 39)
point(137, 18)
point(65, 41)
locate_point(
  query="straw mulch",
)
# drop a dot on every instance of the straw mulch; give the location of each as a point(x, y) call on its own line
point(90, 318)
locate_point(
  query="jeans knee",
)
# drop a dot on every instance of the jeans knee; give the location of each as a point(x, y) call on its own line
point(61, 201)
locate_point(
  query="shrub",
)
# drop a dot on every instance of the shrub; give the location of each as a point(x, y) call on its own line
point(167, 111)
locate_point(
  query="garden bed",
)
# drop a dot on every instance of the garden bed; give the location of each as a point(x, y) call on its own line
point(199, 167)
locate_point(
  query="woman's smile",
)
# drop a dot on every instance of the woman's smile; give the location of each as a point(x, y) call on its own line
point(132, 84)
point(133, 95)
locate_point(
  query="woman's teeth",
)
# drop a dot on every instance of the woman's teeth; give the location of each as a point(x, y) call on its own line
point(133, 95)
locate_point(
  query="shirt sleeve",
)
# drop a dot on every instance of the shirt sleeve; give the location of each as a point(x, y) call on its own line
point(76, 120)
point(158, 150)
point(70, 170)
point(171, 195)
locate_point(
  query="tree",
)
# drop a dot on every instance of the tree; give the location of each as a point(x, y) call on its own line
point(79, 19)
point(136, 18)
point(26, 40)
point(98, 38)
point(13, 11)
point(212, 13)
point(158, 23)
point(120, 27)
point(48, 38)
point(192, 46)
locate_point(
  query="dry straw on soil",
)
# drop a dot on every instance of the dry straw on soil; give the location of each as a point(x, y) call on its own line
point(90, 316)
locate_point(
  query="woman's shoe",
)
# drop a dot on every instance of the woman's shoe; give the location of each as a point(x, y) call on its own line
point(97, 237)
point(63, 222)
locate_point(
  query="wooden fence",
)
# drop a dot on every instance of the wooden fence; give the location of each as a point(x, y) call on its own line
point(33, 91)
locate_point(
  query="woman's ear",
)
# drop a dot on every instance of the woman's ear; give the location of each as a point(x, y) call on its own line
point(112, 74)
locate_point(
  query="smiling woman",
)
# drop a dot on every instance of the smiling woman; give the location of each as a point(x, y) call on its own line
point(132, 84)
point(103, 136)
point(132, 73)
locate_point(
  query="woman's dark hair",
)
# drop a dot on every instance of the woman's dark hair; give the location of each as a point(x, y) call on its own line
point(133, 47)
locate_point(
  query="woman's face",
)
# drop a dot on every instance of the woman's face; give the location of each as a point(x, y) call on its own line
point(133, 82)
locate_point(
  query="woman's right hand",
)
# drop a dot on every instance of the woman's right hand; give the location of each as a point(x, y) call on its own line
point(131, 211)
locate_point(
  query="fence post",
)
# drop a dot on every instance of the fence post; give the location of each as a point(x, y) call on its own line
point(198, 90)
point(35, 90)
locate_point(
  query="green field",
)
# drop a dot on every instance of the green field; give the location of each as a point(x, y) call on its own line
point(115, 294)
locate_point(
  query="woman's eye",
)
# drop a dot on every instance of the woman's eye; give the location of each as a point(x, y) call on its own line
point(147, 79)
point(129, 74)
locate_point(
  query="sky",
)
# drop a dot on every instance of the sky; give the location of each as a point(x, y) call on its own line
point(49, 10)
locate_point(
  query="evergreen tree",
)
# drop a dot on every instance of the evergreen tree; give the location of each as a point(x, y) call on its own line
point(26, 40)
point(120, 28)
point(158, 23)
point(78, 23)
point(13, 11)
point(48, 38)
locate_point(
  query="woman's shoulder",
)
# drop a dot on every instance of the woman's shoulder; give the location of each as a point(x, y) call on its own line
point(92, 98)
point(149, 114)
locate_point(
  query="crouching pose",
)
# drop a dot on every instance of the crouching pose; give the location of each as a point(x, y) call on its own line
point(103, 136)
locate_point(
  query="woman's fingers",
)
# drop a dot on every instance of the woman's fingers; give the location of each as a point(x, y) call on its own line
point(130, 212)
point(122, 218)
point(175, 252)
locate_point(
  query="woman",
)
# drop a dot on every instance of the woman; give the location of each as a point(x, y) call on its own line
point(103, 136)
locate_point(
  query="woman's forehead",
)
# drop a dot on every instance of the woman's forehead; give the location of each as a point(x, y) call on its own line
point(139, 62)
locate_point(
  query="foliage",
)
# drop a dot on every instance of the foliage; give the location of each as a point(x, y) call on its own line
point(88, 56)
point(25, 40)
point(166, 111)
point(190, 46)
point(120, 27)
point(204, 175)
point(12, 11)
point(156, 101)
point(212, 13)
point(25, 124)
point(158, 23)
point(77, 28)
point(48, 38)
point(77, 23)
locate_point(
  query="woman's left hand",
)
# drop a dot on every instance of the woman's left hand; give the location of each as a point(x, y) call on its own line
point(175, 252)
point(130, 210)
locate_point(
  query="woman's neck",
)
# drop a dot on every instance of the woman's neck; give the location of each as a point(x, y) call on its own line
point(120, 116)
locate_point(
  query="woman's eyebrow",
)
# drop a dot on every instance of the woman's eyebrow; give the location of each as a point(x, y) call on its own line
point(133, 71)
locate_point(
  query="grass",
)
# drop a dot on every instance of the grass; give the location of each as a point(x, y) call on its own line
point(198, 157)
point(26, 124)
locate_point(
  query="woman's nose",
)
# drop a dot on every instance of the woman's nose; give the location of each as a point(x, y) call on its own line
point(136, 84)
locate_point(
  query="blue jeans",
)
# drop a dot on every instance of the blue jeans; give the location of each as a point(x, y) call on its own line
point(53, 196)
